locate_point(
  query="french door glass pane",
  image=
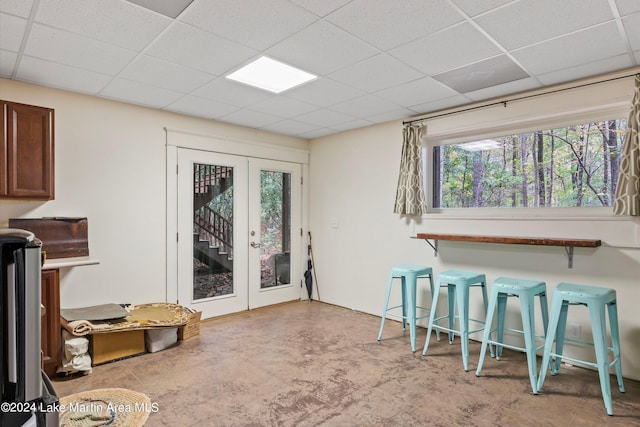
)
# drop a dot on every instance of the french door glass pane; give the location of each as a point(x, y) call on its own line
point(212, 231)
point(275, 228)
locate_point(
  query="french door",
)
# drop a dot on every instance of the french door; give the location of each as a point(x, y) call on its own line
point(239, 243)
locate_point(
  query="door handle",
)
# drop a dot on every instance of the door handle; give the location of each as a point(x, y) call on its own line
point(255, 245)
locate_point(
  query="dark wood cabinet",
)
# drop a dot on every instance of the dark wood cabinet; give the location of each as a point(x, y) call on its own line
point(51, 341)
point(26, 152)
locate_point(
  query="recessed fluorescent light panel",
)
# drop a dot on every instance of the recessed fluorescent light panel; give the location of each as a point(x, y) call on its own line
point(269, 74)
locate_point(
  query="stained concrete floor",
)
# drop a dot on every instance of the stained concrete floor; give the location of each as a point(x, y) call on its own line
point(312, 364)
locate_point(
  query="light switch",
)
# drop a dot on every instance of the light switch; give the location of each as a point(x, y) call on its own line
point(333, 223)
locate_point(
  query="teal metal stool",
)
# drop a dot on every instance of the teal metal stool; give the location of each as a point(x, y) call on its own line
point(409, 275)
point(526, 290)
point(458, 284)
point(596, 299)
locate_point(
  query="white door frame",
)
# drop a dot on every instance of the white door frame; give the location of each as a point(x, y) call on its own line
point(176, 139)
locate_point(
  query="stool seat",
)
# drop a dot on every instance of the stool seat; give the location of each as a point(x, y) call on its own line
point(402, 269)
point(458, 283)
point(409, 275)
point(598, 301)
point(526, 291)
point(584, 294)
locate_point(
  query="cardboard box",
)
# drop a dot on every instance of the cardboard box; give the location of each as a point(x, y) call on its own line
point(116, 345)
point(160, 338)
point(192, 328)
point(61, 237)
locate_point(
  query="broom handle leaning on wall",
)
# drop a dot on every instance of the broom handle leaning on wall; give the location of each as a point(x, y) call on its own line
point(313, 269)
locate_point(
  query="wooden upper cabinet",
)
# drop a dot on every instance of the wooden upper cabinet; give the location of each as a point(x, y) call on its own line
point(27, 152)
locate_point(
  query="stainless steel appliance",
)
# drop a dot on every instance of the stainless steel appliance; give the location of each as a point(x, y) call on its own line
point(27, 396)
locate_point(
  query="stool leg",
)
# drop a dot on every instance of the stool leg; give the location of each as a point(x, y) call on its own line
point(404, 303)
point(549, 338)
point(599, 329)
point(451, 300)
point(411, 284)
point(487, 330)
point(463, 313)
point(386, 305)
point(560, 334)
point(544, 308)
point(529, 329)
point(485, 301)
point(432, 316)
point(502, 308)
point(615, 341)
point(433, 308)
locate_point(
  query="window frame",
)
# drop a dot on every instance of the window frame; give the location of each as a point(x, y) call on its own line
point(505, 127)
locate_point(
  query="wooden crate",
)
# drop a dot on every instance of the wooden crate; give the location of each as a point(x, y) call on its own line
point(116, 345)
point(192, 328)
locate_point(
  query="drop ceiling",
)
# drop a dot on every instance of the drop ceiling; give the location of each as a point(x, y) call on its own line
point(376, 60)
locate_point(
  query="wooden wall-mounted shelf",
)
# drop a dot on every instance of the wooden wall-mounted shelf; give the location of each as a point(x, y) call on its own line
point(568, 244)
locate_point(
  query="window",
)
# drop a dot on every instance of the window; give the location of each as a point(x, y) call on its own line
point(571, 166)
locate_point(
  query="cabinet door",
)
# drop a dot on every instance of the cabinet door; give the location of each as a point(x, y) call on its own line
point(51, 342)
point(28, 147)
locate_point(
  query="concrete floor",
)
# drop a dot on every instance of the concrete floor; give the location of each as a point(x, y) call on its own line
point(308, 364)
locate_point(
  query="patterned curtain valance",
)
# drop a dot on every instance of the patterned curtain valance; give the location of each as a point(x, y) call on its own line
point(410, 198)
point(627, 201)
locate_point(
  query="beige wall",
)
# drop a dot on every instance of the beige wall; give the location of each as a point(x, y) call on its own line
point(110, 168)
point(352, 181)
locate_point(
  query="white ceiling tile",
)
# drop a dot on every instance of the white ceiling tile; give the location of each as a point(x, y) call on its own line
point(453, 47)
point(574, 49)
point(254, 23)
point(365, 106)
point(200, 107)
point(290, 127)
point(386, 24)
point(387, 116)
point(12, 32)
point(319, 133)
point(231, 92)
point(139, 93)
point(355, 124)
point(619, 62)
point(115, 22)
point(17, 7)
point(206, 52)
point(250, 118)
point(632, 28)
point(283, 107)
point(440, 104)
point(626, 7)
point(376, 73)
point(60, 46)
point(167, 75)
point(7, 62)
point(322, 48)
point(325, 117)
point(324, 92)
point(321, 8)
point(476, 7)
point(416, 92)
point(60, 76)
point(544, 19)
